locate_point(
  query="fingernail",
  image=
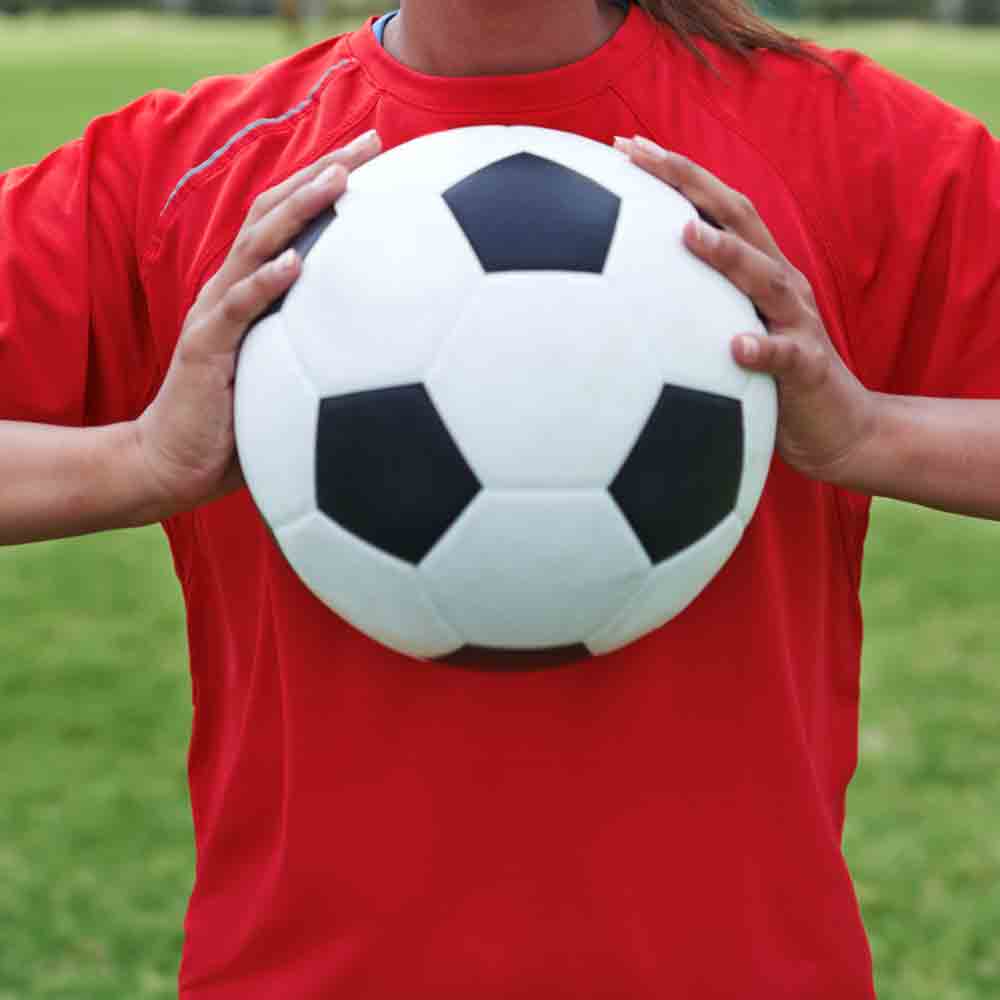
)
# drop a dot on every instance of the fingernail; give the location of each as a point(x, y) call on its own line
point(749, 348)
point(621, 143)
point(708, 235)
point(362, 140)
point(650, 147)
point(330, 177)
point(286, 262)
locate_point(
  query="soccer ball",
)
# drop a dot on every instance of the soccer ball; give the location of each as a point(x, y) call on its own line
point(496, 422)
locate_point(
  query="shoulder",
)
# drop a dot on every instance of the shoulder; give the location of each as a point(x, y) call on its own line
point(201, 130)
point(822, 99)
point(213, 149)
point(215, 105)
point(894, 186)
point(204, 155)
point(151, 150)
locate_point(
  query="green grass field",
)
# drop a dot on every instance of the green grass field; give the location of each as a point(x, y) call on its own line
point(95, 840)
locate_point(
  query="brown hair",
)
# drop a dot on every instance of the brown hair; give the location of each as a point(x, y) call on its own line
point(730, 24)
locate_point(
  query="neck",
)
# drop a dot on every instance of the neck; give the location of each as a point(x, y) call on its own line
point(498, 37)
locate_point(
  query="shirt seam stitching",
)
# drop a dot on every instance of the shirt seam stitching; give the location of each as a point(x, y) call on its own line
point(230, 151)
point(330, 137)
point(202, 267)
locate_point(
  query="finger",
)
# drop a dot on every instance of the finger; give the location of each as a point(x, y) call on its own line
point(351, 156)
point(256, 244)
point(719, 202)
point(270, 235)
point(784, 356)
point(767, 282)
point(315, 187)
point(242, 302)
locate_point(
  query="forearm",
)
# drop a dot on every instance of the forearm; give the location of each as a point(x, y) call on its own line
point(62, 481)
point(941, 453)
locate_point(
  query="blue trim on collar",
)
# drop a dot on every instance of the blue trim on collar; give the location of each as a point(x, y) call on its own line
point(379, 26)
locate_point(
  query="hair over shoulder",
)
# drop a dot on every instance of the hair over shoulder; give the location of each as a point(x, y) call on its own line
point(731, 24)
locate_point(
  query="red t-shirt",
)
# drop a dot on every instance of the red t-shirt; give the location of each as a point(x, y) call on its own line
point(661, 822)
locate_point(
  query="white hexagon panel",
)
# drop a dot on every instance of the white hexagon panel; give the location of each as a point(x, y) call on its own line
point(434, 162)
point(276, 409)
point(504, 389)
point(511, 572)
point(669, 587)
point(541, 364)
point(368, 311)
point(373, 591)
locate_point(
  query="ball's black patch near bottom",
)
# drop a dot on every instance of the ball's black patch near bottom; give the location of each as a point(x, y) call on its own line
point(492, 658)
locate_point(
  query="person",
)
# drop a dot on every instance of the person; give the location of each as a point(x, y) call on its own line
point(664, 821)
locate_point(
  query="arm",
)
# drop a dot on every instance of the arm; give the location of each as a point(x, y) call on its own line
point(942, 453)
point(60, 481)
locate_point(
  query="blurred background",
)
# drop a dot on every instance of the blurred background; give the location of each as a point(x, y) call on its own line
point(96, 855)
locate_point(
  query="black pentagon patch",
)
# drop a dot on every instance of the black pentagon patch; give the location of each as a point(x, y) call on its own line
point(388, 471)
point(683, 475)
point(302, 243)
point(526, 213)
point(492, 658)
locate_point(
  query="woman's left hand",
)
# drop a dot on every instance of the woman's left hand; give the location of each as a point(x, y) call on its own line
point(825, 415)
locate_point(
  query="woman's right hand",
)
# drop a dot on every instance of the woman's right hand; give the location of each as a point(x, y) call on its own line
point(185, 444)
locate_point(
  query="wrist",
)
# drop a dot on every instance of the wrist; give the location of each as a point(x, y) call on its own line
point(142, 498)
point(862, 464)
point(837, 445)
point(115, 488)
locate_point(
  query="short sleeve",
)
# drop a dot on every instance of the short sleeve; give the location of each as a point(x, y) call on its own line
point(921, 187)
point(75, 346)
